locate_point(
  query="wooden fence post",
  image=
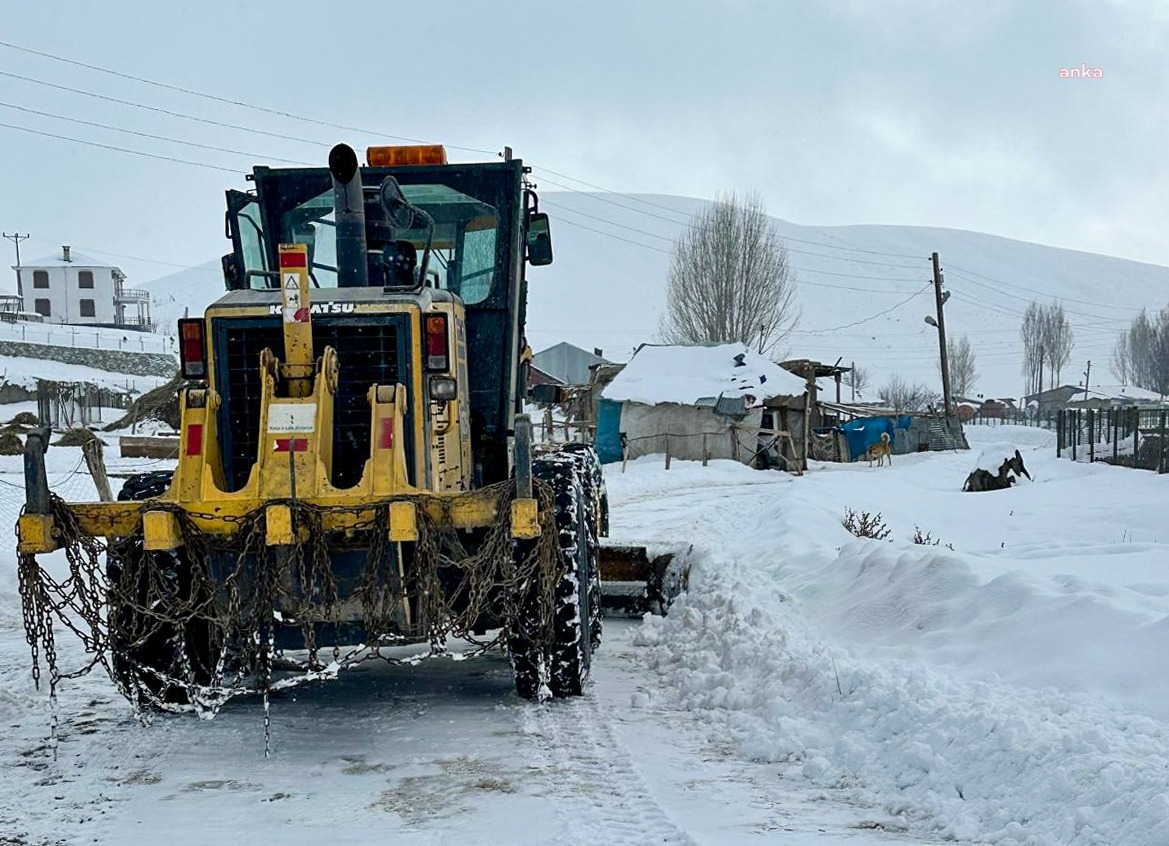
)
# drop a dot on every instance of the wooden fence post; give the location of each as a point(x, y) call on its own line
point(1091, 436)
point(92, 450)
point(1136, 434)
point(1112, 412)
point(1161, 444)
point(1075, 415)
point(705, 452)
point(667, 452)
point(1059, 433)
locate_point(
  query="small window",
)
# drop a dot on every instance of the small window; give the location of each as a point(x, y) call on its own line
point(40, 279)
point(84, 279)
point(43, 307)
point(87, 309)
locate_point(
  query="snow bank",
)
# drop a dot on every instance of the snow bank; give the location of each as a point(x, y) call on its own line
point(683, 374)
point(969, 760)
point(1014, 690)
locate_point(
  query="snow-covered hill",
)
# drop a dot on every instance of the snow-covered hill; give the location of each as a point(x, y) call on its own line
point(863, 290)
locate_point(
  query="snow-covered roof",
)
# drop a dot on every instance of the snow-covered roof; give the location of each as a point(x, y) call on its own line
point(684, 374)
point(76, 259)
point(1125, 391)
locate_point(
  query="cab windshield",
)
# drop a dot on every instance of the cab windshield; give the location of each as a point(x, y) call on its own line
point(473, 209)
point(463, 250)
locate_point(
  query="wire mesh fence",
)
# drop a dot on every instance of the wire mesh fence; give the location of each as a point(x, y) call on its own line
point(1129, 436)
point(130, 339)
point(1014, 417)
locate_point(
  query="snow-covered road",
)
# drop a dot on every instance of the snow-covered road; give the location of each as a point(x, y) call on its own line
point(811, 688)
point(439, 753)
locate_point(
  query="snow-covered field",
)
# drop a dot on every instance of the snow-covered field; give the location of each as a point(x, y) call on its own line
point(810, 688)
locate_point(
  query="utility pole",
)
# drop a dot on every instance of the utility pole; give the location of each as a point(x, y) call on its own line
point(852, 373)
point(941, 300)
point(1087, 378)
point(16, 238)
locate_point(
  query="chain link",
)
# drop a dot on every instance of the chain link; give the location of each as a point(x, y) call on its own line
point(190, 629)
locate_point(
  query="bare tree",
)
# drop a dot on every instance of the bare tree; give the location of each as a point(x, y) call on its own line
point(1034, 350)
point(963, 372)
point(1141, 354)
point(729, 279)
point(899, 394)
point(859, 379)
point(1121, 360)
point(1047, 344)
point(1058, 339)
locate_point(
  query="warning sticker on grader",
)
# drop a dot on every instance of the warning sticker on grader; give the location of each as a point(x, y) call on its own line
point(294, 310)
point(292, 417)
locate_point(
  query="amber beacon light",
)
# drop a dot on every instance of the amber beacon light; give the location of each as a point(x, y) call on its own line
point(423, 154)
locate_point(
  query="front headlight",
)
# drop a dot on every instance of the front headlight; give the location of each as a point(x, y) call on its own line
point(442, 388)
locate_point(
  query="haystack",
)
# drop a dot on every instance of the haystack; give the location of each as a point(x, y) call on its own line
point(160, 404)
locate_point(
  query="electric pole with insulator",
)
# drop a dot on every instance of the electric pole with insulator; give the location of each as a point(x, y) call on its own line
point(16, 238)
point(941, 300)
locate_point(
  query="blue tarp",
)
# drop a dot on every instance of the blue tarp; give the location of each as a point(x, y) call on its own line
point(609, 431)
point(863, 432)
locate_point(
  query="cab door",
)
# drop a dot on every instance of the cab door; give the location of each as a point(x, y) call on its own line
point(247, 266)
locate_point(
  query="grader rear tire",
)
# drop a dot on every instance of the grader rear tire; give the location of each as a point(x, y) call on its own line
point(565, 664)
point(596, 508)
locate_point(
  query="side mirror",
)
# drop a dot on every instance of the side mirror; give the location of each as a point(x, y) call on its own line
point(539, 239)
point(230, 272)
point(396, 207)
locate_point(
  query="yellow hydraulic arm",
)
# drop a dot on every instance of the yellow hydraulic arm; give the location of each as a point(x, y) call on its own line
point(298, 328)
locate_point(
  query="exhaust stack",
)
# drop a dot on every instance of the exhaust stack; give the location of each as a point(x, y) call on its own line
point(349, 214)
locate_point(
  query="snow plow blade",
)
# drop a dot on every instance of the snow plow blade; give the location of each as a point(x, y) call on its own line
point(634, 583)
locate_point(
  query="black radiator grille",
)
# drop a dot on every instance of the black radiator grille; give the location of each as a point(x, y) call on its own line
point(369, 354)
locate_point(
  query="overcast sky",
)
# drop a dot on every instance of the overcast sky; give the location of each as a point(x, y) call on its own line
point(842, 111)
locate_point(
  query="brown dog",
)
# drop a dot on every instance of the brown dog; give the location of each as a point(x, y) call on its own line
point(881, 450)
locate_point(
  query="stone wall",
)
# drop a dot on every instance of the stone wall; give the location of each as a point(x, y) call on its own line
point(115, 361)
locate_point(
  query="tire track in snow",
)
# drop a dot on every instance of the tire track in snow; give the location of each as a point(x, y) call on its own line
point(600, 797)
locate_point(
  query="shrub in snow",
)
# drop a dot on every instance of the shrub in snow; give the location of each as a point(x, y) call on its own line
point(10, 443)
point(927, 539)
point(865, 525)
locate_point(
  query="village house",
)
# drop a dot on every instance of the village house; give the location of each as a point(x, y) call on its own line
point(68, 287)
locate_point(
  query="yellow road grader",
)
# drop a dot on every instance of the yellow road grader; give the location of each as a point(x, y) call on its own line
point(355, 470)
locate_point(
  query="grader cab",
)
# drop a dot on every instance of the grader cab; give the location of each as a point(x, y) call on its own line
point(355, 472)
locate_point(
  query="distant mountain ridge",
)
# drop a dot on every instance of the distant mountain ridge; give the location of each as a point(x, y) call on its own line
point(863, 289)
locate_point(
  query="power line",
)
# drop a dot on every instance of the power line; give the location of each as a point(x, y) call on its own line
point(671, 240)
point(1033, 291)
point(1006, 310)
point(194, 93)
point(608, 222)
point(618, 237)
point(148, 135)
point(83, 248)
point(602, 199)
point(119, 149)
point(801, 270)
point(874, 316)
point(160, 110)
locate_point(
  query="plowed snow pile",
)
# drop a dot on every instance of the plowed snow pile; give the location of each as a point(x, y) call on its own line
point(1014, 690)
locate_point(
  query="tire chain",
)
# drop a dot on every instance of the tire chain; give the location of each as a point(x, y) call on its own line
point(458, 587)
